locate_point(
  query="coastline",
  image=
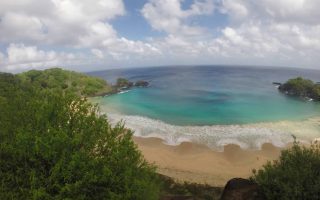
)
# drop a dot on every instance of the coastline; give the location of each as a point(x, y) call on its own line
point(213, 154)
point(197, 163)
point(215, 137)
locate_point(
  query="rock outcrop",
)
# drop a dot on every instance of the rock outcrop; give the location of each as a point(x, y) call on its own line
point(240, 189)
point(141, 83)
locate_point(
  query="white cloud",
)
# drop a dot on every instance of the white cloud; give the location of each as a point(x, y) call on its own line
point(168, 16)
point(236, 9)
point(19, 26)
point(18, 53)
point(297, 11)
point(58, 22)
point(122, 48)
point(75, 24)
point(87, 10)
point(97, 53)
point(234, 37)
point(269, 32)
point(275, 30)
point(20, 57)
point(303, 11)
point(99, 34)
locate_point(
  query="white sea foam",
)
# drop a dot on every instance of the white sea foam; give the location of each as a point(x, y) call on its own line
point(123, 91)
point(251, 136)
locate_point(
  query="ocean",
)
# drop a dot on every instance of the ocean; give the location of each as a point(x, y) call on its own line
point(205, 104)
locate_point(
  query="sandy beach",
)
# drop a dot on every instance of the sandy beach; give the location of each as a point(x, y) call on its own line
point(197, 163)
point(215, 154)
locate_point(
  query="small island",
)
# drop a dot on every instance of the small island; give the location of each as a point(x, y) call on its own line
point(302, 88)
point(124, 84)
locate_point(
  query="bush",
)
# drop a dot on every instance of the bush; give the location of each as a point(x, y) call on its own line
point(188, 190)
point(296, 175)
point(56, 146)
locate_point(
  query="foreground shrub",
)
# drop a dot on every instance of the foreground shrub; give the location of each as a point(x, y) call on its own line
point(56, 146)
point(296, 175)
point(186, 190)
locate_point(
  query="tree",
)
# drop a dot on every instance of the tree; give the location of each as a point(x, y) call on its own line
point(56, 145)
point(295, 175)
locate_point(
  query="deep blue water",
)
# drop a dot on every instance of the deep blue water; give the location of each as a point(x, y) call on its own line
point(207, 95)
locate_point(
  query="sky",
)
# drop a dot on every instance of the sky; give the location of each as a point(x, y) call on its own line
point(87, 35)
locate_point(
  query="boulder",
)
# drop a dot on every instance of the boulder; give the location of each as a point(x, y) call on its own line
point(240, 189)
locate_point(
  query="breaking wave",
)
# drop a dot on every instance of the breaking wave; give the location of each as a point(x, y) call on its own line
point(249, 136)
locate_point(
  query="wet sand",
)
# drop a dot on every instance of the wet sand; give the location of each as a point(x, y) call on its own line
point(197, 163)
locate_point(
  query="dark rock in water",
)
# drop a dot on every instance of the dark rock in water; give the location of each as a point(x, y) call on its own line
point(276, 83)
point(241, 189)
point(123, 83)
point(141, 83)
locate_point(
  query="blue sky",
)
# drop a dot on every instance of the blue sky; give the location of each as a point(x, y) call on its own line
point(90, 35)
point(134, 26)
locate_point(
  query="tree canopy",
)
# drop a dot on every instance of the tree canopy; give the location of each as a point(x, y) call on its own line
point(56, 145)
point(301, 88)
point(68, 81)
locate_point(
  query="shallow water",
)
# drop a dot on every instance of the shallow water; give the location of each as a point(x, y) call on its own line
point(211, 95)
point(213, 105)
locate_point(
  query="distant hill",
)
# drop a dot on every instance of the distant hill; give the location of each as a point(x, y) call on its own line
point(56, 78)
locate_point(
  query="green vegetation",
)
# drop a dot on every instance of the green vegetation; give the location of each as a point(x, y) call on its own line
point(68, 81)
point(55, 145)
point(187, 190)
point(301, 88)
point(295, 175)
point(123, 83)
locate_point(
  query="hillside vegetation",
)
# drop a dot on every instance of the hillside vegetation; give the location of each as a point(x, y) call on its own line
point(300, 87)
point(68, 81)
point(56, 145)
point(295, 175)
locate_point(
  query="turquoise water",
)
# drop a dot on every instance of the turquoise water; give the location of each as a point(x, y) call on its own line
point(210, 95)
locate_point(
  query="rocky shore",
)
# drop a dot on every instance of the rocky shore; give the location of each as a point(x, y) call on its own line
point(123, 84)
point(301, 88)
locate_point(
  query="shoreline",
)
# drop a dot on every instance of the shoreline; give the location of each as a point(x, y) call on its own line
point(199, 164)
point(214, 154)
point(247, 136)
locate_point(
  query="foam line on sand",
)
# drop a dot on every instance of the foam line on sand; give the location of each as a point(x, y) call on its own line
point(248, 136)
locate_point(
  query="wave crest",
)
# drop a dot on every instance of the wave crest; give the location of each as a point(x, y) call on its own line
point(215, 136)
